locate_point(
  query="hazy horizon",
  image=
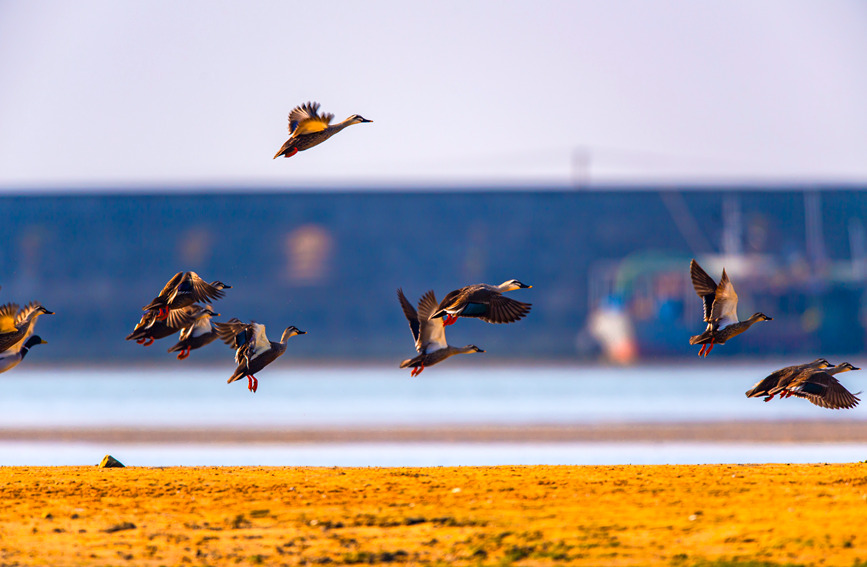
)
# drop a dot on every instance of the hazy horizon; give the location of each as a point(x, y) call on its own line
point(98, 93)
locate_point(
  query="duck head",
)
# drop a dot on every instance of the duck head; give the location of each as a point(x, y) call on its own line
point(292, 331)
point(511, 285)
point(821, 363)
point(35, 340)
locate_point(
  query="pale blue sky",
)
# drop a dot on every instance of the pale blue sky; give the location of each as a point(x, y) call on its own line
point(107, 92)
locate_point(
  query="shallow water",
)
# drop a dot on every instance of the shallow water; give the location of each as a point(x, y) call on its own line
point(427, 454)
point(190, 396)
point(185, 396)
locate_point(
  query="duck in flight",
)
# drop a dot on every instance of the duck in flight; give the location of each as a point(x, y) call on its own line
point(10, 358)
point(184, 289)
point(720, 303)
point(16, 325)
point(820, 387)
point(197, 335)
point(253, 350)
point(308, 128)
point(429, 334)
point(149, 328)
point(483, 301)
point(782, 377)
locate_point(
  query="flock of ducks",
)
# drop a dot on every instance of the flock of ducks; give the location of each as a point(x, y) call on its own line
point(177, 309)
point(813, 381)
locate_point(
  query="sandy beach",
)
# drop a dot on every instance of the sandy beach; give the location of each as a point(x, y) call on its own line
point(617, 515)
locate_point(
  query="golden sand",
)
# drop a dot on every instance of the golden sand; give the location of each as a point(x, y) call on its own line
point(592, 515)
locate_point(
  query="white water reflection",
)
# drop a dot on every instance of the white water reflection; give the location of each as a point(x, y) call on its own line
point(181, 396)
point(426, 454)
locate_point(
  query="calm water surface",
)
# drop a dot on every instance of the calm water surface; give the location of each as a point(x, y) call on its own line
point(191, 396)
point(188, 396)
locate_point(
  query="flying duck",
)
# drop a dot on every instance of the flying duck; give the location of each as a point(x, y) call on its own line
point(197, 335)
point(429, 334)
point(308, 128)
point(720, 304)
point(16, 325)
point(820, 388)
point(253, 349)
point(783, 376)
point(151, 328)
point(185, 288)
point(10, 358)
point(483, 301)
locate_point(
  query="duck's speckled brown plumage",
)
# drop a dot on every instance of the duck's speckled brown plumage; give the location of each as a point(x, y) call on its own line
point(308, 128)
point(18, 324)
point(485, 302)
point(253, 349)
point(184, 289)
point(820, 387)
point(149, 327)
point(197, 335)
point(783, 376)
point(429, 334)
point(12, 357)
point(720, 303)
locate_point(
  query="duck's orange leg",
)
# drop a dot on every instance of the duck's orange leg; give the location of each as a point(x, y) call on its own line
point(769, 398)
point(148, 342)
point(163, 314)
point(141, 340)
point(449, 319)
point(292, 153)
point(701, 351)
point(252, 383)
point(417, 370)
point(710, 348)
point(184, 353)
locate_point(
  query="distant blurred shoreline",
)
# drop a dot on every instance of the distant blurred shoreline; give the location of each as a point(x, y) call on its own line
point(752, 431)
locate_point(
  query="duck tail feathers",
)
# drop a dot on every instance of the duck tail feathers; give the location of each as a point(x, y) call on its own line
point(697, 339)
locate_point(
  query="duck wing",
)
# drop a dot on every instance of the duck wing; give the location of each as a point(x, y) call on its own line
point(762, 387)
point(26, 319)
point(257, 343)
point(8, 318)
point(704, 286)
point(202, 290)
point(432, 334)
point(779, 379)
point(228, 331)
point(454, 300)
point(501, 309)
point(305, 119)
point(25, 312)
point(184, 317)
point(168, 289)
point(725, 305)
point(823, 390)
point(410, 313)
